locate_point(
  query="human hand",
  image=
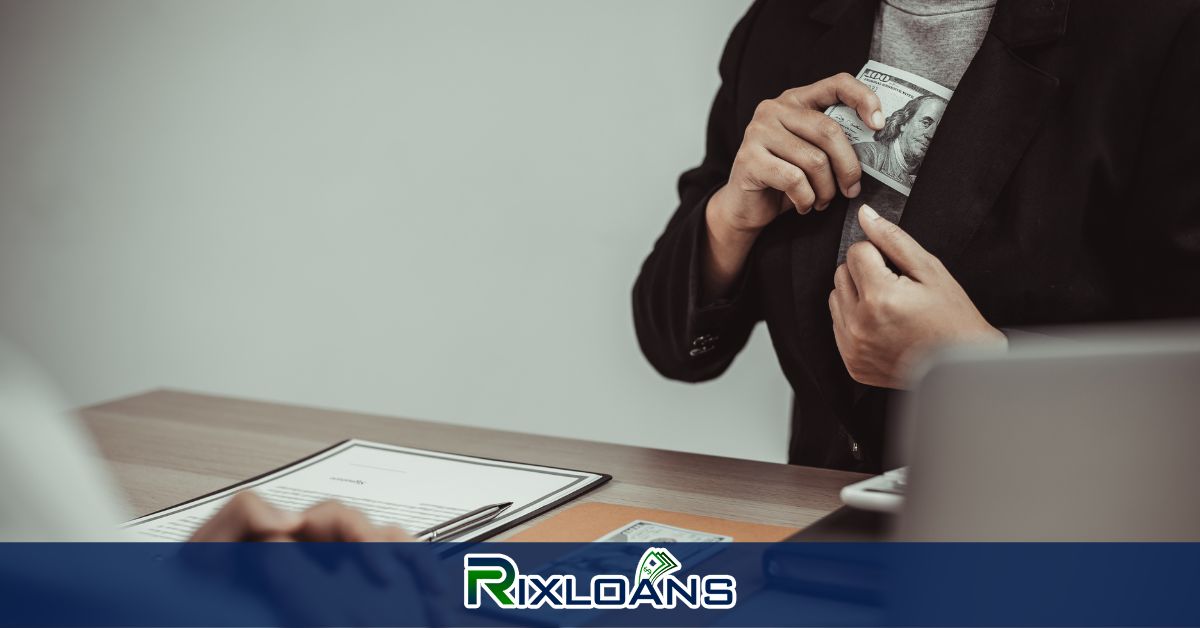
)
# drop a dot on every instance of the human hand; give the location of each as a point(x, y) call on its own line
point(368, 565)
point(795, 156)
point(334, 522)
point(248, 517)
point(884, 323)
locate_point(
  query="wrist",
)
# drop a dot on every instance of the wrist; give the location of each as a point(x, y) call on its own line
point(723, 226)
point(726, 249)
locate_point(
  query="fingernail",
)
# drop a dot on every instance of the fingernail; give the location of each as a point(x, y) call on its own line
point(820, 208)
point(877, 118)
point(871, 214)
point(854, 190)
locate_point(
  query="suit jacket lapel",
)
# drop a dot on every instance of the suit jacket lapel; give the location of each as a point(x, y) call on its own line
point(995, 112)
point(844, 45)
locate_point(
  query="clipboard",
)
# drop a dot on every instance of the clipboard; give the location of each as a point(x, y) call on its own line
point(393, 485)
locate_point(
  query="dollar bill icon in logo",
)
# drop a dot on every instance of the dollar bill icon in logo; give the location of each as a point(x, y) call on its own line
point(656, 562)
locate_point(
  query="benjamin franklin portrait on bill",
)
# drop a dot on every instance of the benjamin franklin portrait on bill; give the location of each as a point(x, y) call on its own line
point(900, 146)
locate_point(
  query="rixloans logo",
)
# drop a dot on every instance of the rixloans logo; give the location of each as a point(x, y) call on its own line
point(496, 576)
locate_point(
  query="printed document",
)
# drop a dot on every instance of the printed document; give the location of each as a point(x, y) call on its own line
point(411, 488)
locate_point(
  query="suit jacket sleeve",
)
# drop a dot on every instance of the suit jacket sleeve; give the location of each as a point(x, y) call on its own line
point(682, 338)
point(1155, 251)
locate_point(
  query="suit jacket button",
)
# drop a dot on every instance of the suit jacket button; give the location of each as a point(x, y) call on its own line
point(703, 344)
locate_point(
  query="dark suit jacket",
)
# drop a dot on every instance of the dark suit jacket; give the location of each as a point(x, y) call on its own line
point(1063, 186)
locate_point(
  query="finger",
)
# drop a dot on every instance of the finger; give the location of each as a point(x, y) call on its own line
point(835, 309)
point(843, 282)
point(839, 334)
point(333, 522)
point(775, 173)
point(843, 88)
point(810, 159)
point(867, 268)
point(828, 137)
point(844, 298)
point(899, 247)
point(845, 293)
point(839, 326)
point(247, 517)
point(393, 534)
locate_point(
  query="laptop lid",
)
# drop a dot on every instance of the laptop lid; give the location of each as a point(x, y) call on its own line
point(1092, 435)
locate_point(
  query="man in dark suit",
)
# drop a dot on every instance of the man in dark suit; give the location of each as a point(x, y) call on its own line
point(1060, 188)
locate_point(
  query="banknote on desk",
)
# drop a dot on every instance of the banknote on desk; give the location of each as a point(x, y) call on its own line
point(640, 531)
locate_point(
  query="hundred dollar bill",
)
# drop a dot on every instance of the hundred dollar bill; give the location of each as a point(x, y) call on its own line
point(649, 532)
point(912, 107)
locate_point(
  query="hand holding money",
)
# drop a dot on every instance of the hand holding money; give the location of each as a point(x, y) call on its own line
point(883, 322)
point(795, 156)
point(913, 108)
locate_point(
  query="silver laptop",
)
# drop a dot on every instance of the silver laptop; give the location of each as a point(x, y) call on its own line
point(1091, 436)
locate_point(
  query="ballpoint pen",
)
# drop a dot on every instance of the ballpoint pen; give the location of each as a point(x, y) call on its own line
point(463, 522)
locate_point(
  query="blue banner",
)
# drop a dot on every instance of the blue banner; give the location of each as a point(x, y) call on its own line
point(601, 584)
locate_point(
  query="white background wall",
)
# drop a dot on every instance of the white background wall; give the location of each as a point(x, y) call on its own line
point(427, 209)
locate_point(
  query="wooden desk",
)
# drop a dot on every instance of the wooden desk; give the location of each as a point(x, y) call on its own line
point(167, 446)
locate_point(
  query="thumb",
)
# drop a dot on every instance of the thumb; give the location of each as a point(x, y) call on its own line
point(899, 247)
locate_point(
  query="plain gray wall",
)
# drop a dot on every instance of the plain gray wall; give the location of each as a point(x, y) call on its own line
point(427, 209)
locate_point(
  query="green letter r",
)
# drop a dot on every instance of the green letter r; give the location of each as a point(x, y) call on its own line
point(496, 573)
